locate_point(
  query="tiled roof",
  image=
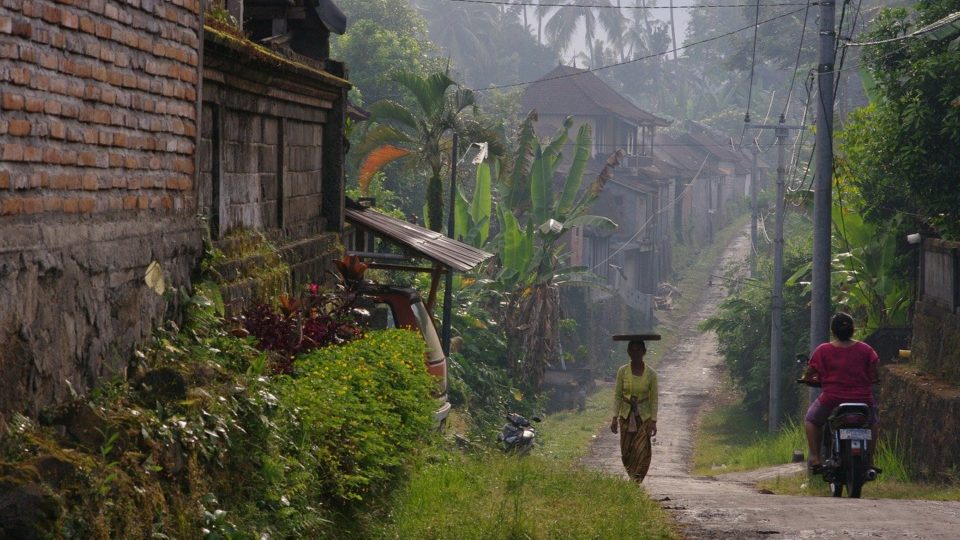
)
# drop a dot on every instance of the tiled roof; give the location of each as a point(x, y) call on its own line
point(577, 92)
point(681, 154)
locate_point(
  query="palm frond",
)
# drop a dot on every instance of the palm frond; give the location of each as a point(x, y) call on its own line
point(376, 160)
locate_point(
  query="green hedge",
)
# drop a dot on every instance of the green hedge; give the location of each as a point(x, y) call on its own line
point(361, 408)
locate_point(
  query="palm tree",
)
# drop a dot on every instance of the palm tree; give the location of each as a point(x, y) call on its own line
point(465, 31)
point(598, 55)
point(418, 136)
point(564, 22)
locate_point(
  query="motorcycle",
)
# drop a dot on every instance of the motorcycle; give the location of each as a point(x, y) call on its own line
point(517, 435)
point(846, 447)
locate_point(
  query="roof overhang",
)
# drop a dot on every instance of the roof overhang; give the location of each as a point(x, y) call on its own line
point(419, 240)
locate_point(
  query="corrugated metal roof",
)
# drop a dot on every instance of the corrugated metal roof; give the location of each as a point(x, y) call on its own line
point(426, 243)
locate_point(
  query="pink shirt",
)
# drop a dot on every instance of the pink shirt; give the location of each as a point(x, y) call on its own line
point(845, 372)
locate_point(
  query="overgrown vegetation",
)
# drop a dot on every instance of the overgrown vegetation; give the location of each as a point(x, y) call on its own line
point(203, 442)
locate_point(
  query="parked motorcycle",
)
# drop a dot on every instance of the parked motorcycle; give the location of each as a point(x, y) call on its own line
point(517, 435)
point(846, 448)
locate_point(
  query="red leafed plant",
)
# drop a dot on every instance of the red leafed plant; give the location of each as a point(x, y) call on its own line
point(298, 325)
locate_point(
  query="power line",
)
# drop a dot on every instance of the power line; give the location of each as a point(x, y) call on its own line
point(945, 21)
point(689, 6)
point(796, 66)
point(753, 62)
point(634, 60)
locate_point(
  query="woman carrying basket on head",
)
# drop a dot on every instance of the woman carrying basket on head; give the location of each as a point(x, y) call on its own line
point(635, 409)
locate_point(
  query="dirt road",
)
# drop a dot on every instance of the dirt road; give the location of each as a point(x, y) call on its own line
point(728, 506)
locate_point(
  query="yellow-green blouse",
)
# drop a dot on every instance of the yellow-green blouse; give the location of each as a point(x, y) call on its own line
point(629, 385)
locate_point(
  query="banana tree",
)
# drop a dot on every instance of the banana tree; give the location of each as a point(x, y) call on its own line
point(865, 271)
point(864, 275)
point(533, 259)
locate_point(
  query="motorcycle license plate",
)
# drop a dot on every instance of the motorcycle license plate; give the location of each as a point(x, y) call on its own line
point(855, 433)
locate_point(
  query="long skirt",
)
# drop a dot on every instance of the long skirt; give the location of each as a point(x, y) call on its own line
point(635, 450)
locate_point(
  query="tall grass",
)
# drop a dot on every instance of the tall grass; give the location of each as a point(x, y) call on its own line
point(730, 439)
point(494, 496)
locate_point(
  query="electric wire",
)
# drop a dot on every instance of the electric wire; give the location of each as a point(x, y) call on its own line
point(753, 62)
point(638, 59)
point(796, 66)
point(655, 214)
point(688, 6)
point(945, 21)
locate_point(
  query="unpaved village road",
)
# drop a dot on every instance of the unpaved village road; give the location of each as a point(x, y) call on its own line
point(728, 506)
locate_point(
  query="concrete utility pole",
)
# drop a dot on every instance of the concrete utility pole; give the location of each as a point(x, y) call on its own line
point(754, 188)
point(776, 313)
point(820, 300)
point(776, 301)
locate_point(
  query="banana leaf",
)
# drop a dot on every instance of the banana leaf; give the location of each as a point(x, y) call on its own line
point(540, 180)
point(599, 222)
point(461, 216)
point(517, 188)
point(575, 176)
point(482, 201)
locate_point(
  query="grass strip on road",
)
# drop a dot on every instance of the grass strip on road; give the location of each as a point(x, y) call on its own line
point(496, 496)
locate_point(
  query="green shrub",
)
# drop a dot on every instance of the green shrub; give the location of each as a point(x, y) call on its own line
point(360, 409)
point(233, 453)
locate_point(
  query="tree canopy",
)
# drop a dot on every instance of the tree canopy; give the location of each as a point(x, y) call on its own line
point(903, 151)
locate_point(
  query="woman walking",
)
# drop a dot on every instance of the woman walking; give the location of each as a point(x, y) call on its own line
point(635, 409)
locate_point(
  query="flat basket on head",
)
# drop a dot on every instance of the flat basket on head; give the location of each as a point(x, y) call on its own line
point(636, 337)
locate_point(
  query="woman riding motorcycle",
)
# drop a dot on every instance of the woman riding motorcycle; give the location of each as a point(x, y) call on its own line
point(846, 369)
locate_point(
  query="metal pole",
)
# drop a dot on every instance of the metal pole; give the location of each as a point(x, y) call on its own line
point(753, 213)
point(820, 300)
point(448, 282)
point(776, 315)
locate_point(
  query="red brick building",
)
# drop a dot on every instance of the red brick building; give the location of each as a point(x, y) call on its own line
point(105, 106)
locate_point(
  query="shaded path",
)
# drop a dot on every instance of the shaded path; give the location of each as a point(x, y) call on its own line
point(728, 506)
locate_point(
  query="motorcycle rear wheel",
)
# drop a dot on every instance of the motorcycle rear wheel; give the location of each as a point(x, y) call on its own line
point(855, 477)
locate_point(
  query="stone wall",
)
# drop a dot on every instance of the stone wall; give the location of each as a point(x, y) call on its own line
point(920, 414)
point(936, 341)
point(97, 136)
point(271, 151)
point(936, 322)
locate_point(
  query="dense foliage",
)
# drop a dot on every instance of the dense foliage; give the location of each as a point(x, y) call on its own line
point(903, 151)
point(362, 408)
point(203, 443)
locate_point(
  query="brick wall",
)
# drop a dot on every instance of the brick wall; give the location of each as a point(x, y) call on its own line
point(97, 146)
point(270, 150)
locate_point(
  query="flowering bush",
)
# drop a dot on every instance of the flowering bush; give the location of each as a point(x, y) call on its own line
point(362, 408)
point(298, 325)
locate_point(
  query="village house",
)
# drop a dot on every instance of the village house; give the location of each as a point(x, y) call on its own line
point(629, 258)
point(129, 136)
